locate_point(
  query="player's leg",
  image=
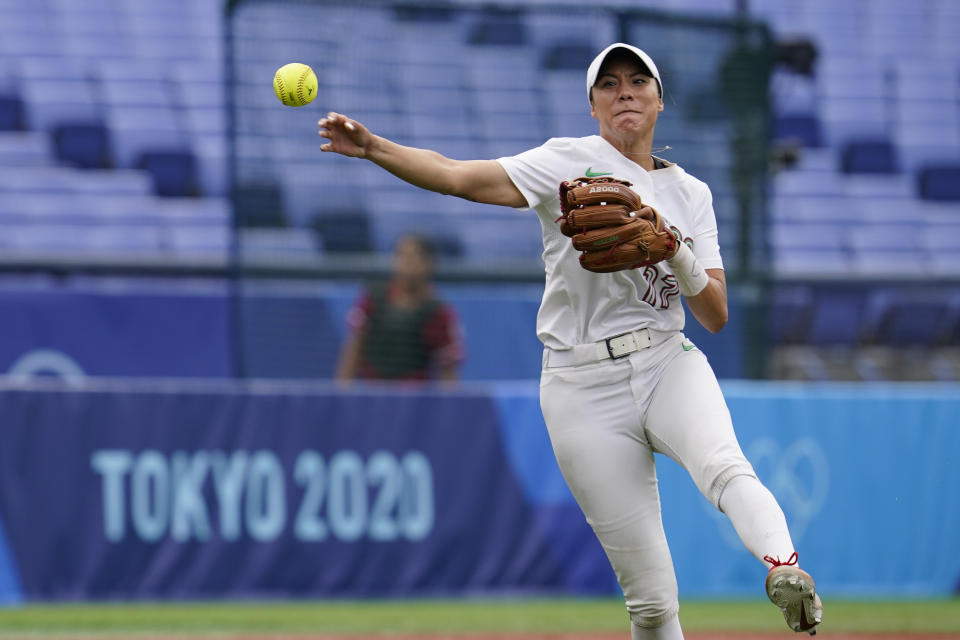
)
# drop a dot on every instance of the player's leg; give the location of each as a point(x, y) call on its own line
point(592, 420)
point(757, 518)
point(688, 420)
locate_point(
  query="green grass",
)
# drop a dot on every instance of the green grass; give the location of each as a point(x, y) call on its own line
point(448, 616)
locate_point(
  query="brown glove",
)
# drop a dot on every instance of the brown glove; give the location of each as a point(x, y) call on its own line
point(610, 225)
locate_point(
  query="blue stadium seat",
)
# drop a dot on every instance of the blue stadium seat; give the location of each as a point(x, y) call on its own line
point(567, 56)
point(915, 318)
point(344, 231)
point(939, 183)
point(498, 28)
point(803, 129)
point(791, 308)
point(11, 113)
point(837, 317)
point(869, 156)
point(84, 144)
point(174, 172)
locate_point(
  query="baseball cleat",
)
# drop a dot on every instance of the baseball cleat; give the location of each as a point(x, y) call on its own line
point(793, 590)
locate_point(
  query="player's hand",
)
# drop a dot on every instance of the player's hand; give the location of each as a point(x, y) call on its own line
point(347, 137)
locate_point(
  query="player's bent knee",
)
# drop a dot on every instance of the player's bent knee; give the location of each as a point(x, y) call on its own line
point(719, 483)
point(652, 618)
point(651, 609)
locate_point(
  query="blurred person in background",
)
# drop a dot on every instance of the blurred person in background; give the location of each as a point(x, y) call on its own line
point(399, 329)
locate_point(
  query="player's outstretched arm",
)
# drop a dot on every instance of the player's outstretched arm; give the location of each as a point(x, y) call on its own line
point(477, 180)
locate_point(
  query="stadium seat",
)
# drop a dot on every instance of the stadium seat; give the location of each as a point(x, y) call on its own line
point(83, 144)
point(869, 156)
point(344, 231)
point(939, 183)
point(803, 129)
point(916, 319)
point(498, 28)
point(791, 308)
point(11, 113)
point(568, 56)
point(428, 14)
point(260, 204)
point(174, 172)
point(837, 316)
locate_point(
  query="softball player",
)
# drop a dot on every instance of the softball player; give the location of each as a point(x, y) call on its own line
point(619, 380)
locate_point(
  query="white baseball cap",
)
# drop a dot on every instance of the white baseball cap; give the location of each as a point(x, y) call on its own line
point(594, 67)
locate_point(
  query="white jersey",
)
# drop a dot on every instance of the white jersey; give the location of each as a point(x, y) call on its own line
point(580, 306)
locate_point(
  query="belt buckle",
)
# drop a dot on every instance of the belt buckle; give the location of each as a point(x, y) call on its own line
point(622, 355)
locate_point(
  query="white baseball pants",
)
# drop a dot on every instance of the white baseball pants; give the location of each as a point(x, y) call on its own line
point(605, 420)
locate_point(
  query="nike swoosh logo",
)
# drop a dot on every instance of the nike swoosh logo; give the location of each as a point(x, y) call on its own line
point(804, 625)
point(688, 347)
point(591, 174)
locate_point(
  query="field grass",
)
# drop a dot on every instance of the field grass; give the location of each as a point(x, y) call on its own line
point(447, 616)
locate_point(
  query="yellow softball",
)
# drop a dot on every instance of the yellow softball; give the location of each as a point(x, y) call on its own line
point(295, 84)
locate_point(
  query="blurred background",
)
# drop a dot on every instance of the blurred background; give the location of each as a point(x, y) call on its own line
point(178, 260)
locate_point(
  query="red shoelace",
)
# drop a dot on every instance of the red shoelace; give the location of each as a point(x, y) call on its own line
point(792, 560)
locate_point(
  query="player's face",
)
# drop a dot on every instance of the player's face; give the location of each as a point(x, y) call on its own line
point(410, 261)
point(625, 98)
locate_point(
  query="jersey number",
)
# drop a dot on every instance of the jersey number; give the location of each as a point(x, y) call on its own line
point(661, 287)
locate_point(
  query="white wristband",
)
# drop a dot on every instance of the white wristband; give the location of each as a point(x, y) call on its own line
point(690, 275)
